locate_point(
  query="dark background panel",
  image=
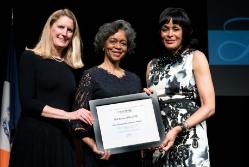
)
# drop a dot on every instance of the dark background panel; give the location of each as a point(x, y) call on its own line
point(221, 11)
point(226, 129)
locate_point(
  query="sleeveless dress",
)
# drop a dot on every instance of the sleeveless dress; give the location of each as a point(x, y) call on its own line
point(175, 86)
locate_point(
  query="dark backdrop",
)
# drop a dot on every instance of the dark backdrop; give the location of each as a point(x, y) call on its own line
point(225, 128)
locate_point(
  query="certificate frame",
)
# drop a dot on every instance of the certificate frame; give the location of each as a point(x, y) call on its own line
point(135, 122)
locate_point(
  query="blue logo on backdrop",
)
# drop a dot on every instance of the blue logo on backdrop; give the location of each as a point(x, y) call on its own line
point(229, 47)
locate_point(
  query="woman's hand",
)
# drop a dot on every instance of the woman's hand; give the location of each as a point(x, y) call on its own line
point(170, 137)
point(104, 155)
point(83, 115)
point(148, 91)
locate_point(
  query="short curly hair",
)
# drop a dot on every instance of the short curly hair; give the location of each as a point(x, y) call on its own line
point(108, 29)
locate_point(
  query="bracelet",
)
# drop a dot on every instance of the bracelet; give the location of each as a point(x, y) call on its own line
point(184, 126)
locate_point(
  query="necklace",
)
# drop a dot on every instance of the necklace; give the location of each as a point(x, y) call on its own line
point(59, 59)
point(169, 58)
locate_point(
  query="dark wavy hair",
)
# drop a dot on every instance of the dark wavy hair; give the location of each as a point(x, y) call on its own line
point(108, 29)
point(180, 17)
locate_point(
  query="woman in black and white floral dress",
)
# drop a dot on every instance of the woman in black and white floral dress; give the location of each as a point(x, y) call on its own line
point(181, 78)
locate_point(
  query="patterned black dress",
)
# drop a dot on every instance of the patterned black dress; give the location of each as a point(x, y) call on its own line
point(175, 86)
point(97, 83)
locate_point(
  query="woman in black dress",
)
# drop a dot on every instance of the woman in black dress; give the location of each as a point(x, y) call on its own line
point(108, 79)
point(47, 88)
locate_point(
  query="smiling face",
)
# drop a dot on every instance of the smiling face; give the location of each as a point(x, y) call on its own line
point(116, 46)
point(62, 33)
point(171, 35)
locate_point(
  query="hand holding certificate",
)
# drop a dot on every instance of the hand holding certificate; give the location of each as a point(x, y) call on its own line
point(127, 123)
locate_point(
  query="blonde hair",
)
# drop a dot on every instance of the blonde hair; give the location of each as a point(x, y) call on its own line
point(72, 54)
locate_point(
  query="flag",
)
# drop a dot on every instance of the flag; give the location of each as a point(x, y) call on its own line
point(4, 129)
point(11, 108)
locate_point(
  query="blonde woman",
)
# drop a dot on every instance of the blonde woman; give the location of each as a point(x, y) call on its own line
point(47, 87)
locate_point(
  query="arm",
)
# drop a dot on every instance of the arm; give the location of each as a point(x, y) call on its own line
point(82, 97)
point(84, 91)
point(80, 114)
point(104, 155)
point(205, 89)
point(147, 72)
point(28, 80)
point(148, 90)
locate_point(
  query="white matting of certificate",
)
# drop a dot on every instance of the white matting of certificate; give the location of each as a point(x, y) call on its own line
point(127, 123)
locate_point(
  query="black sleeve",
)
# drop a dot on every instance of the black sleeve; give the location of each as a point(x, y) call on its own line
point(82, 97)
point(28, 79)
point(83, 92)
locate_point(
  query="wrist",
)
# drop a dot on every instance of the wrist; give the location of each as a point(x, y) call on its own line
point(184, 126)
point(67, 116)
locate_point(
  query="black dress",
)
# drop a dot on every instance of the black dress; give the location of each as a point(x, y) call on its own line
point(40, 141)
point(97, 83)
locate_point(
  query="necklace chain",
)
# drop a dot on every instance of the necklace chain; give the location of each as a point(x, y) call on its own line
point(58, 59)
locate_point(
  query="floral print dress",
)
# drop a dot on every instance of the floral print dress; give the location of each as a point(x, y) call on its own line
point(175, 86)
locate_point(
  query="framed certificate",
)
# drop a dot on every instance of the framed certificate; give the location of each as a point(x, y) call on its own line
point(127, 123)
